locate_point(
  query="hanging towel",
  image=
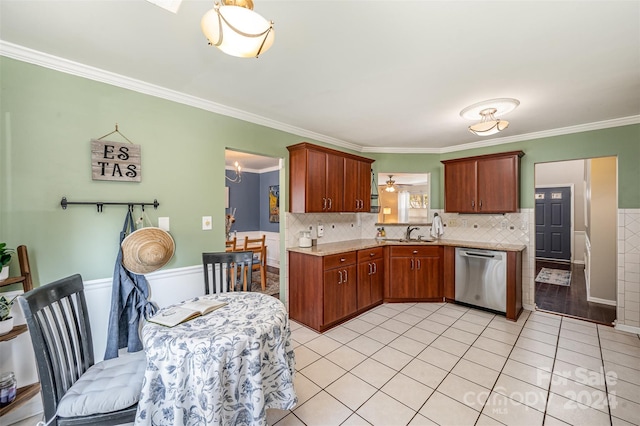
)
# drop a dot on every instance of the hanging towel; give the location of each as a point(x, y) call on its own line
point(436, 227)
point(129, 303)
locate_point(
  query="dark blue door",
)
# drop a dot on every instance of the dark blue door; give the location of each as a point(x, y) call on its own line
point(553, 223)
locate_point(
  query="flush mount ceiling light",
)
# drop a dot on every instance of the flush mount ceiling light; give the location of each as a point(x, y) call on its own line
point(488, 111)
point(236, 29)
point(238, 177)
point(390, 185)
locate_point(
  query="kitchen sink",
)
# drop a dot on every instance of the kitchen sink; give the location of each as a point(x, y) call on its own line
point(411, 241)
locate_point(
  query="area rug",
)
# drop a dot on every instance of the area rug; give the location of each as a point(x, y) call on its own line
point(273, 283)
point(554, 276)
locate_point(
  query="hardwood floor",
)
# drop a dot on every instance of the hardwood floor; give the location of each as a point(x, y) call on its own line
point(571, 300)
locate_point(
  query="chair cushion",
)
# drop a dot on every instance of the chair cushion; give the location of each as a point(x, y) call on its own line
point(107, 386)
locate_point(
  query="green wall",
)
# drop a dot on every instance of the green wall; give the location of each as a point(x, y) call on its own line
point(48, 119)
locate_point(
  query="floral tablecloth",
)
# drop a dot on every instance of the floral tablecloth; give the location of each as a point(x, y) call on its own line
point(224, 368)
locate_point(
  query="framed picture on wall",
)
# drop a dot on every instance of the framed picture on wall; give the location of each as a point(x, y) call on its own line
point(274, 204)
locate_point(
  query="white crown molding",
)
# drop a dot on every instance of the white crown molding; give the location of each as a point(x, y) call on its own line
point(46, 60)
point(616, 122)
point(21, 53)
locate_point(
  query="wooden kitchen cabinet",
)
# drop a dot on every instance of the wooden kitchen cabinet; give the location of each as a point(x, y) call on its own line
point(414, 273)
point(357, 185)
point(325, 180)
point(483, 184)
point(370, 290)
point(340, 287)
point(322, 289)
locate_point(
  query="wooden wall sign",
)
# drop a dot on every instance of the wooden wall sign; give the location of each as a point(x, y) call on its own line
point(115, 161)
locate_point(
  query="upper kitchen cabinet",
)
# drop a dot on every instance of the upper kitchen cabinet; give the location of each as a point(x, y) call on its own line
point(326, 180)
point(357, 185)
point(483, 184)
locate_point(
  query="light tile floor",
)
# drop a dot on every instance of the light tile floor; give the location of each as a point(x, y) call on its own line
point(444, 364)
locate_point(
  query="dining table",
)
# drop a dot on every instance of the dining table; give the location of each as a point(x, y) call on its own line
point(223, 368)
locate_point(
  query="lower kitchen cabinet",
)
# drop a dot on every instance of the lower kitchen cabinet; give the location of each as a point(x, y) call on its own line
point(415, 273)
point(322, 289)
point(339, 293)
point(370, 277)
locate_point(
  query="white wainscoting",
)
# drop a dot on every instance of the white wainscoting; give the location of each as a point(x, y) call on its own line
point(579, 247)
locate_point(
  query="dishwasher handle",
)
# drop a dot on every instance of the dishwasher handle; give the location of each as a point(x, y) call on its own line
point(478, 254)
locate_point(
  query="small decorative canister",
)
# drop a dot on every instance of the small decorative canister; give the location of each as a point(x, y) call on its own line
point(8, 388)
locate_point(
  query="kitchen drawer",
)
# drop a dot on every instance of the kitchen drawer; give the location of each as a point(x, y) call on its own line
point(408, 251)
point(337, 260)
point(370, 254)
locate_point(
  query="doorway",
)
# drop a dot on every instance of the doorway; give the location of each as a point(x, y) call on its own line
point(574, 223)
point(253, 210)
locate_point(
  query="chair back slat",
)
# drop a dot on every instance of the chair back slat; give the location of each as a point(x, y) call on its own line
point(225, 272)
point(57, 318)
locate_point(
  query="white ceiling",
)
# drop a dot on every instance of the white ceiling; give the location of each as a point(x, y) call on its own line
point(374, 76)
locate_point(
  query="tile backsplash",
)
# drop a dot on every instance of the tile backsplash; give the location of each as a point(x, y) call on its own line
point(510, 228)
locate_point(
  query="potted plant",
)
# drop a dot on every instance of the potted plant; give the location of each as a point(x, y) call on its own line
point(5, 259)
point(6, 320)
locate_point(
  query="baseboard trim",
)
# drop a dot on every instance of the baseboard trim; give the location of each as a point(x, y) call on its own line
point(602, 301)
point(627, 328)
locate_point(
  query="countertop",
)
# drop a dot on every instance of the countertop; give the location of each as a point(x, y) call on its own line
point(351, 245)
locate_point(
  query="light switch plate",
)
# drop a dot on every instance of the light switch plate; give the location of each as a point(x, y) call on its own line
point(206, 223)
point(163, 223)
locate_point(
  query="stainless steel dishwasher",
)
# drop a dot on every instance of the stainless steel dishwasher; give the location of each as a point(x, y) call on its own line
point(481, 278)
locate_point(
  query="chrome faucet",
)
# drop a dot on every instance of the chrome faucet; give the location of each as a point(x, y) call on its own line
point(409, 230)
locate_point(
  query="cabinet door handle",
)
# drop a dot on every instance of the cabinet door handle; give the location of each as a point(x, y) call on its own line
point(370, 268)
point(340, 273)
point(418, 263)
point(324, 203)
point(411, 264)
point(473, 204)
point(375, 268)
point(345, 276)
point(330, 203)
point(480, 204)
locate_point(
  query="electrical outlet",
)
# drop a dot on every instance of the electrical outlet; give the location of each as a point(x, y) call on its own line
point(464, 223)
point(453, 222)
point(320, 230)
point(207, 225)
point(504, 224)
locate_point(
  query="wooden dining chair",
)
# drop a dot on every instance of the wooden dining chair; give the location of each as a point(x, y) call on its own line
point(259, 249)
point(230, 245)
point(75, 391)
point(224, 272)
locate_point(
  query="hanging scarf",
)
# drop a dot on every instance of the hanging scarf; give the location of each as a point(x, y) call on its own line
point(129, 303)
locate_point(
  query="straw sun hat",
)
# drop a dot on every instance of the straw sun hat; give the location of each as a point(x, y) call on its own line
point(147, 250)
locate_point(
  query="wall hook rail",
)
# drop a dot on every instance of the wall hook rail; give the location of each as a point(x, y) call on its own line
point(100, 204)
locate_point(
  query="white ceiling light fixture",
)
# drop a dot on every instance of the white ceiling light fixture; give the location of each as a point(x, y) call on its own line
point(489, 111)
point(390, 185)
point(237, 30)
